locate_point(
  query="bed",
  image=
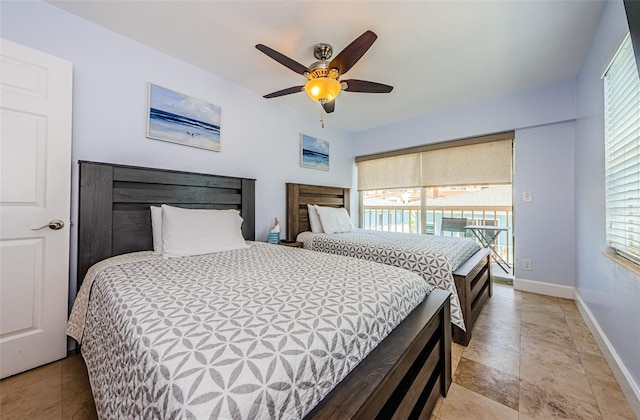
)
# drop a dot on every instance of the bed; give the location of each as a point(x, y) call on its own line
point(139, 325)
point(469, 282)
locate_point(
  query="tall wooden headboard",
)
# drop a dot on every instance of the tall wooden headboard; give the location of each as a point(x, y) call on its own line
point(114, 216)
point(299, 195)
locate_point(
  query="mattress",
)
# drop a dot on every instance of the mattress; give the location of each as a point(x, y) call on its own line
point(434, 258)
point(261, 332)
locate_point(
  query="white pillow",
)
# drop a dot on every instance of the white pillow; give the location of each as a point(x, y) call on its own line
point(156, 228)
point(195, 232)
point(314, 219)
point(334, 220)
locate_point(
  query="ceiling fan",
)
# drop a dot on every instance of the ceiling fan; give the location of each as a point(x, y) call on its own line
point(323, 84)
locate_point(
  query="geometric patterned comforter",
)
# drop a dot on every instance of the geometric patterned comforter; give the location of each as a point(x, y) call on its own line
point(433, 257)
point(261, 332)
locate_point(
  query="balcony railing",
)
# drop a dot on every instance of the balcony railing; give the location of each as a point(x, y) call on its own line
point(402, 218)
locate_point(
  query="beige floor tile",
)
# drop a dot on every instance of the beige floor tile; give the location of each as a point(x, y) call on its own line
point(500, 316)
point(36, 394)
point(552, 309)
point(498, 323)
point(596, 366)
point(536, 298)
point(587, 345)
point(436, 408)
point(605, 386)
point(495, 355)
point(501, 302)
point(607, 415)
point(490, 382)
point(462, 403)
point(33, 376)
point(560, 336)
point(570, 309)
point(560, 380)
point(31, 412)
point(456, 354)
point(497, 335)
point(500, 290)
point(536, 355)
point(456, 350)
point(579, 329)
point(77, 400)
point(543, 403)
point(546, 319)
point(610, 398)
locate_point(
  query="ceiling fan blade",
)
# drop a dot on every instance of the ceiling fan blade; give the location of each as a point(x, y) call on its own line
point(329, 107)
point(353, 52)
point(355, 85)
point(287, 91)
point(283, 59)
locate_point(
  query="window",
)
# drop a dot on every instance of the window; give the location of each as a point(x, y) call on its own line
point(622, 143)
point(412, 190)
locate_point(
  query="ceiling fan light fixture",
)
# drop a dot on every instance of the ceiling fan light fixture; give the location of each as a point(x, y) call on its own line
point(322, 88)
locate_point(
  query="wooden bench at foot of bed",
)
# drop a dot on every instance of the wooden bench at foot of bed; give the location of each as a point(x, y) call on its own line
point(474, 287)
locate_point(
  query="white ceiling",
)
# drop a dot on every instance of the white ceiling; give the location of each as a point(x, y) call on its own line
point(436, 54)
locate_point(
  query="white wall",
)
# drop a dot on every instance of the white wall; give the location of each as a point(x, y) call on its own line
point(543, 120)
point(611, 292)
point(260, 138)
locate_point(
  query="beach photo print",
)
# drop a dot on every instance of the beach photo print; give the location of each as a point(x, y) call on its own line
point(314, 153)
point(182, 119)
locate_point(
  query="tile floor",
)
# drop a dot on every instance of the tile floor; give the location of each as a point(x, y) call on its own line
point(531, 357)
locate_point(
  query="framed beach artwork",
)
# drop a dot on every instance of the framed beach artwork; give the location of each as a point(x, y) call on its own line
point(182, 119)
point(314, 153)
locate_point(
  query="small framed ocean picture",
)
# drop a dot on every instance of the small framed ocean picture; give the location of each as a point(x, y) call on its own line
point(182, 119)
point(314, 153)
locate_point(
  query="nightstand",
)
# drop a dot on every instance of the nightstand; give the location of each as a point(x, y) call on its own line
point(292, 244)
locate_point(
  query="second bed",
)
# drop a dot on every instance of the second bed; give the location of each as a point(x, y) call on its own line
point(457, 265)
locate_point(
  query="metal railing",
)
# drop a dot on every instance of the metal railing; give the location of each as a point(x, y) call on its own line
point(407, 218)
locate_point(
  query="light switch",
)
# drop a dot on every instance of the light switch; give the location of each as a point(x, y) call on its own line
point(527, 197)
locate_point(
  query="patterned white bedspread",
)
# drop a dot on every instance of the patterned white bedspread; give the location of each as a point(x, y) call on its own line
point(433, 257)
point(262, 332)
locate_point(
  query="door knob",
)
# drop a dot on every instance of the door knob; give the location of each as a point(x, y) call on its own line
point(53, 225)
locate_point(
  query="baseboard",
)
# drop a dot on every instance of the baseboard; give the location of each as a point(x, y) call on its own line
point(630, 389)
point(542, 288)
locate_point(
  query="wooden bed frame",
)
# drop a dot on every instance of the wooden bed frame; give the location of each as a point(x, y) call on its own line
point(472, 278)
point(401, 378)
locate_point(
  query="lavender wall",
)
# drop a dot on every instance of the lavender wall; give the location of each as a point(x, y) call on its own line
point(544, 228)
point(260, 138)
point(610, 292)
point(543, 120)
point(547, 105)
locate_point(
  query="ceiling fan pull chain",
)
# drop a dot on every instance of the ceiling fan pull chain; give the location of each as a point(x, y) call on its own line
point(321, 118)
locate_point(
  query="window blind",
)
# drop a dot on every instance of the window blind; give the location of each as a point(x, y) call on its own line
point(391, 172)
point(474, 164)
point(622, 138)
point(483, 163)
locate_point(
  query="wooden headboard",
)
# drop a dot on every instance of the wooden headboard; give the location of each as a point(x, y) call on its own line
point(114, 216)
point(299, 195)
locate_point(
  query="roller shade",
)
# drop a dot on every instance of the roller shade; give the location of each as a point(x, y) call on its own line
point(479, 163)
point(392, 172)
point(474, 164)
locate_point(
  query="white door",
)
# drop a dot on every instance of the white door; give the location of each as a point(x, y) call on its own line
point(35, 182)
